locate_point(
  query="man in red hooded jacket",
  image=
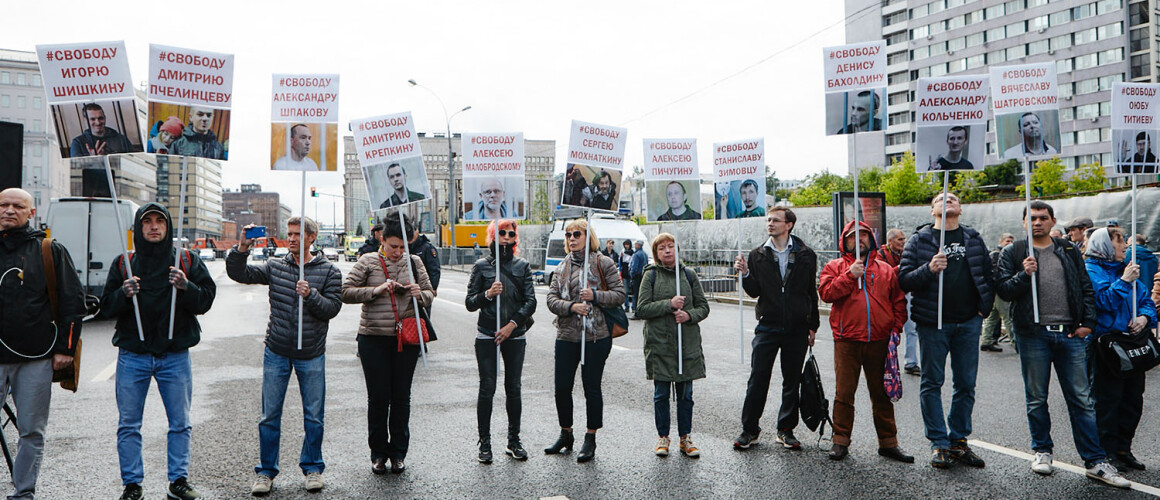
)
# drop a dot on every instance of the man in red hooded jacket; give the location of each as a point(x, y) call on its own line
point(867, 305)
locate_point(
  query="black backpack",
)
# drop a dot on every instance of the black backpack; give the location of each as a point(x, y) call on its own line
point(813, 405)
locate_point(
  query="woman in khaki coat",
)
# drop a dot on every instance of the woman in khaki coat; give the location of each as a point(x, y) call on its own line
point(380, 282)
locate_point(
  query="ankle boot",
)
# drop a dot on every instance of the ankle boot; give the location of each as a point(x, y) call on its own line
point(588, 450)
point(564, 442)
point(485, 450)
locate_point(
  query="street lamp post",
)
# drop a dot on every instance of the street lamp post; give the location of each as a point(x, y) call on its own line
point(453, 200)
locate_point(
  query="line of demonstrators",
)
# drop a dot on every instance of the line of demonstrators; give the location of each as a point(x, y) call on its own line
point(1080, 297)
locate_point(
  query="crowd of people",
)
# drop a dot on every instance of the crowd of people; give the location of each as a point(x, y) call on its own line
point(941, 283)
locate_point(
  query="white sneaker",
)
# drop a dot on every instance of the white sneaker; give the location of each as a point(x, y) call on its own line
point(314, 481)
point(262, 485)
point(1107, 473)
point(1042, 464)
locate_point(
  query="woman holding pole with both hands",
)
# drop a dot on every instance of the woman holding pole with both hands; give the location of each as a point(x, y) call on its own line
point(664, 311)
point(513, 293)
point(583, 335)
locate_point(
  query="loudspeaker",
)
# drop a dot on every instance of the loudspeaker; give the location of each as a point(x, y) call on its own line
point(11, 155)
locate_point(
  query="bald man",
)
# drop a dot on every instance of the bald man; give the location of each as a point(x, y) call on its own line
point(33, 347)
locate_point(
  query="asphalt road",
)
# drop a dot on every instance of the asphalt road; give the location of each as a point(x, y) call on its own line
point(81, 459)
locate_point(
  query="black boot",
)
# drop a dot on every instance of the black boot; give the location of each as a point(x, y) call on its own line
point(588, 450)
point(564, 442)
point(514, 448)
point(485, 450)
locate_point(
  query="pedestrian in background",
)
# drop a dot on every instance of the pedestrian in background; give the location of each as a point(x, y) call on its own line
point(662, 310)
point(577, 305)
point(321, 295)
point(999, 320)
point(1119, 401)
point(383, 285)
point(636, 270)
point(625, 265)
point(517, 295)
point(891, 253)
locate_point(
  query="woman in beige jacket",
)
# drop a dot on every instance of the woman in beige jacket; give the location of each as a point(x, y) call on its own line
point(380, 282)
point(579, 319)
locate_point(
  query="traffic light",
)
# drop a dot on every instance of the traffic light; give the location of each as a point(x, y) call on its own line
point(313, 192)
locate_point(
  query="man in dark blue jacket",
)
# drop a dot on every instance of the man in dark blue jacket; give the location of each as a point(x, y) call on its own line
point(967, 297)
point(153, 353)
point(636, 271)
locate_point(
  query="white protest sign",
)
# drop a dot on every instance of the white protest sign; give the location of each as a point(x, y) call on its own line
point(855, 87)
point(595, 166)
point(951, 115)
point(493, 176)
point(85, 71)
point(190, 77)
point(1135, 124)
point(387, 148)
point(304, 116)
point(1025, 100)
point(672, 180)
point(305, 99)
point(739, 178)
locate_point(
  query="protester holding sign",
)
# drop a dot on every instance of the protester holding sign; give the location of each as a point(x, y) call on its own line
point(965, 266)
point(580, 317)
point(516, 292)
point(1119, 399)
point(381, 282)
point(662, 309)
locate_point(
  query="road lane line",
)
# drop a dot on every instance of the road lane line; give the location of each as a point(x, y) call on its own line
point(620, 347)
point(106, 373)
point(1151, 490)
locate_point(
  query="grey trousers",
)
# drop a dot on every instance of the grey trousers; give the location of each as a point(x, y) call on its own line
point(31, 386)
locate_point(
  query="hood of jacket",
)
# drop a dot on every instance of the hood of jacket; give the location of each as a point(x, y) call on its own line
point(11, 238)
point(143, 247)
point(849, 229)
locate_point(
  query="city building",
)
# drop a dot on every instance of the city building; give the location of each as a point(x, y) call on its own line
point(45, 173)
point(251, 205)
point(1092, 43)
point(356, 207)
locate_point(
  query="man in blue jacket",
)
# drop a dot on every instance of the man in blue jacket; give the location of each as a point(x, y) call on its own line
point(636, 271)
point(967, 297)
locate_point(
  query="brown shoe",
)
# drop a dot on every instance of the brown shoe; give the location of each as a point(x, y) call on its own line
point(839, 451)
point(688, 449)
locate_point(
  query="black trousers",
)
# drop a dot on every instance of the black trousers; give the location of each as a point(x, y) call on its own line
point(766, 343)
point(513, 363)
point(591, 372)
point(1119, 405)
point(388, 376)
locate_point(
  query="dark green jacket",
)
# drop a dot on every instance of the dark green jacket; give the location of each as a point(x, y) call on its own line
point(657, 286)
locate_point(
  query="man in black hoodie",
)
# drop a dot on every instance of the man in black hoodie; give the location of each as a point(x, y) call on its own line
point(152, 352)
point(33, 342)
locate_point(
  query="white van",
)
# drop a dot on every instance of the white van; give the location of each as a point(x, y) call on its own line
point(606, 226)
point(86, 228)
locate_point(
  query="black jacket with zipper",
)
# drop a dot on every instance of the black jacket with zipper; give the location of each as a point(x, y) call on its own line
point(791, 305)
point(517, 301)
point(1015, 284)
point(25, 312)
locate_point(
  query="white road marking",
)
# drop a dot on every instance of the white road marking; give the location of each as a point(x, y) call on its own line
point(106, 373)
point(1151, 490)
point(620, 347)
point(558, 497)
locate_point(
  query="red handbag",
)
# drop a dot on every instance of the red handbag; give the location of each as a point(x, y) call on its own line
point(407, 329)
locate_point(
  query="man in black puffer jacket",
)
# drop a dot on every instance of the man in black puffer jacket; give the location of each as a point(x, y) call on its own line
point(321, 298)
point(967, 297)
point(153, 353)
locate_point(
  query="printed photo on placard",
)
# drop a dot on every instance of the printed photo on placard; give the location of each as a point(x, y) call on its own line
point(397, 183)
point(490, 198)
point(97, 128)
point(950, 148)
point(1134, 151)
point(739, 199)
point(856, 111)
point(591, 187)
point(310, 147)
point(1032, 134)
point(189, 130)
point(673, 200)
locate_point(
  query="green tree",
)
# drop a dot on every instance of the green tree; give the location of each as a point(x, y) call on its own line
point(903, 186)
point(966, 186)
point(818, 189)
point(771, 182)
point(1003, 174)
point(870, 179)
point(358, 231)
point(1046, 178)
point(1088, 177)
point(708, 212)
point(541, 208)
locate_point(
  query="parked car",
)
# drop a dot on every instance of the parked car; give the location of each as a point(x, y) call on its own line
point(331, 254)
point(281, 252)
point(206, 254)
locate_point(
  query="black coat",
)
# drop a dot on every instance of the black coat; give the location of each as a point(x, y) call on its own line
point(793, 305)
point(423, 248)
point(915, 276)
point(518, 300)
point(1015, 285)
point(25, 311)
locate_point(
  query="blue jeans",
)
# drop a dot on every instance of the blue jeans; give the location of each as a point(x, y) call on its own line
point(911, 356)
point(174, 376)
point(961, 342)
point(312, 386)
point(1038, 350)
point(684, 394)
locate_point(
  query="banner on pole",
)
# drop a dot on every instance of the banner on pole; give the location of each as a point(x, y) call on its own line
point(90, 92)
point(1135, 127)
point(855, 87)
point(304, 123)
point(1025, 100)
point(951, 111)
point(739, 179)
point(595, 166)
point(493, 176)
point(672, 180)
point(190, 95)
point(387, 149)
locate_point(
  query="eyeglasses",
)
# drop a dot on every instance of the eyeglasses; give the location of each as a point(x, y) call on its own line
point(504, 232)
point(574, 234)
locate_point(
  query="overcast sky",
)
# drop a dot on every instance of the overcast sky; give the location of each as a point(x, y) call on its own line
point(529, 66)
